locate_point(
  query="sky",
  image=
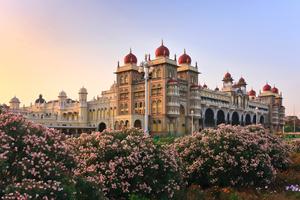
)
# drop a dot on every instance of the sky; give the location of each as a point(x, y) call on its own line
point(52, 45)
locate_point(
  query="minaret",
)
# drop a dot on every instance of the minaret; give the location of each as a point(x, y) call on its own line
point(227, 82)
point(62, 99)
point(83, 108)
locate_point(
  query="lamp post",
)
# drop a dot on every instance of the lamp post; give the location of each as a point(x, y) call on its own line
point(146, 70)
point(192, 114)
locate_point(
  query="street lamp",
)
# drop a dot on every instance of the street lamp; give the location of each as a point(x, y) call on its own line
point(192, 114)
point(146, 70)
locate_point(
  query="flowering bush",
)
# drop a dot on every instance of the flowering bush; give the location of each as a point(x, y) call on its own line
point(127, 162)
point(35, 163)
point(232, 156)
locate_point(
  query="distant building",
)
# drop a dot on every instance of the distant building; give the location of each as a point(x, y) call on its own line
point(175, 92)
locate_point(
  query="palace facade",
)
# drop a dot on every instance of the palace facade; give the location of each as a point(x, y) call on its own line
point(175, 99)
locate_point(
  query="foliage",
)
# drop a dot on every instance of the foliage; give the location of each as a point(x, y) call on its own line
point(232, 156)
point(127, 162)
point(34, 161)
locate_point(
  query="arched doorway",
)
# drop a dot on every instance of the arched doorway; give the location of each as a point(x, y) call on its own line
point(254, 119)
point(181, 122)
point(101, 126)
point(262, 120)
point(248, 119)
point(235, 119)
point(220, 117)
point(209, 118)
point(137, 124)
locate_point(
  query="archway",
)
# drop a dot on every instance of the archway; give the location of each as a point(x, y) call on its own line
point(101, 126)
point(209, 118)
point(254, 119)
point(262, 120)
point(248, 119)
point(220, 117)
point(137, 124)
point(181, 122)
point(235, 119)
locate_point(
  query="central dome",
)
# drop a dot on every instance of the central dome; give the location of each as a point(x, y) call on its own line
point(130, 58)
point(162, 51)
point(267, 87)
point(184, 59)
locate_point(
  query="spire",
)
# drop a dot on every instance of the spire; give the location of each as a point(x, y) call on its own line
point(149, 57)
point(196, 65)
point(175, 57)
point(118, 64)
point(146, 57)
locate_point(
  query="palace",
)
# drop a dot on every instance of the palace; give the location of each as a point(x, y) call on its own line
point(176, 98)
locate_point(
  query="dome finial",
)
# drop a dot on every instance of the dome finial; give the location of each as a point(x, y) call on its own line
point(175, 57)
point(130, 51)
point(196, 65)
point(184, 51)
point(162, 42)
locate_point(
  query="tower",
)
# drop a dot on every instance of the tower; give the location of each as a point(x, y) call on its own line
point(14, 103)
point(83, 108)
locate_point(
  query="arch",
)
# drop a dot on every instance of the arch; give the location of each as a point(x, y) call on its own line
point(248, 119)
point(154, 125)
point(254, 119)
point(159, 107)
point(159, 125)
point(181, 120)
point(209, 120)
point(137, 124)
point(261, 120)
point(117, 125)
point(235, 118)
point(220, 117)
point(126, 123)
point(101, 126)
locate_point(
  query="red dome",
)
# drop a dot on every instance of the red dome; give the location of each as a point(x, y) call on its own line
point(252, 93)
point(227, 77)
point(130, 58)
point(275, 90)
point(162, 51)
point(267, 87)
point(204, 86)
point(184, 59)
point(242, 82)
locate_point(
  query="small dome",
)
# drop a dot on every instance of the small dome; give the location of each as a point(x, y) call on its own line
point(195, 86)
point(184, 59)
point(130, 58)
point(83, 90)
point(162, 51)
point(204, 86)
point(242, 82)
point(267, 87)
point(14, 100)
point(275, 90)
point(62, 94)
point(252, 93)
point(40, 99)
point(217, 89)
point(227, 77)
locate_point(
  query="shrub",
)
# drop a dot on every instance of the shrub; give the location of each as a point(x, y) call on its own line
point(127, 163)
point(34, 161)
point(232, 156)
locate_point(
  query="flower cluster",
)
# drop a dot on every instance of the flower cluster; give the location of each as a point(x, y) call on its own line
point(127, 162)
point(232, 156)
point(293, 188)
point(35, 163)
